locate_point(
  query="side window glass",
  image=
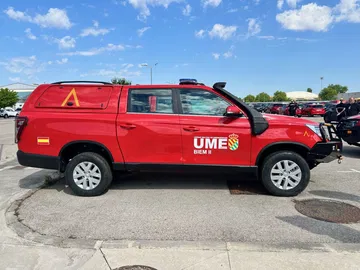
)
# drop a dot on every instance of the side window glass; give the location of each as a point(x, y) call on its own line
point(202, 102)
point(150, 101)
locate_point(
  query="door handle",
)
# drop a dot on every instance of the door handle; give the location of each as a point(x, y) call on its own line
point(127, 126)
point(191, 129)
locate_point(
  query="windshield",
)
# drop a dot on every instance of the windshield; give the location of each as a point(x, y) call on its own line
point(317, 106)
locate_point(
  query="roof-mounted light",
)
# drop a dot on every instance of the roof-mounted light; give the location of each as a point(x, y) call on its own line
point(188, 81)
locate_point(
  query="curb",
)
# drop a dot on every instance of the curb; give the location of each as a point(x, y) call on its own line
point(15, 223)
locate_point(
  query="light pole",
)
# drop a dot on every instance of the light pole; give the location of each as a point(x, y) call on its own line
point(321, 79)
point(151, 67)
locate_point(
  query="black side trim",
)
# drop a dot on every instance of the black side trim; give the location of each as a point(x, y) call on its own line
point(287, 143)
point(191, 167)
point(38, 161)
point(90, 142)
point(117, 166)
point(325, 152)
point(258, 123)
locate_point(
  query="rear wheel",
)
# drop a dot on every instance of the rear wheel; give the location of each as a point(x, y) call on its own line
point(88, 174)
point(285, 173)
point(6, 116)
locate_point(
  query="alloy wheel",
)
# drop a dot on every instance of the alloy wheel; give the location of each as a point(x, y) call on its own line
point(286, 174)
point(87, 175)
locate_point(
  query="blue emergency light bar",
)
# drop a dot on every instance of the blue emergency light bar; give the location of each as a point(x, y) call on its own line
point(188, 81)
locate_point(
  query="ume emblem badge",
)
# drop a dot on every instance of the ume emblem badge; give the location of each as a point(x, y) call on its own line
point(233, 142)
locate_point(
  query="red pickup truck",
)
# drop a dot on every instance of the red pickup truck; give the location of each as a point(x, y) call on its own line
point(88, 130)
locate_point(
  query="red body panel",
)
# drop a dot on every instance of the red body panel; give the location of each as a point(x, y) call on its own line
point(148, 137)
point(64, 125)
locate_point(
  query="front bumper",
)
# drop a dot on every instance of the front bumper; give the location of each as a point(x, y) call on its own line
point(329, 149)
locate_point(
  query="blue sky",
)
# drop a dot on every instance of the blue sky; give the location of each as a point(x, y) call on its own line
point(253, 45)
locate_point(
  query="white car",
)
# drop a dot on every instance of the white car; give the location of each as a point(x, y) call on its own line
point(6, 113)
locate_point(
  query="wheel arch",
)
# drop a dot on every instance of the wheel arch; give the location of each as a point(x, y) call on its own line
point(299, 148)
point(73, 148)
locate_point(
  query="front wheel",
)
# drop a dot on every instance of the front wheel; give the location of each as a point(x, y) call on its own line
point(6, 116)
point(88, 174)
point(285, 173)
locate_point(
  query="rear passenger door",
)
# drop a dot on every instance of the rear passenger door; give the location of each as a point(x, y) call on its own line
point(149, 128)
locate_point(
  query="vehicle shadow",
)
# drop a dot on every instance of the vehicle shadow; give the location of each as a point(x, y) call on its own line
point(336, 195)
point(34, 180)
point(335, 231)
point(247, 184)
point(351, 151)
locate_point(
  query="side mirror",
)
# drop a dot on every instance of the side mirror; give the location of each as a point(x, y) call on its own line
point(233, 111)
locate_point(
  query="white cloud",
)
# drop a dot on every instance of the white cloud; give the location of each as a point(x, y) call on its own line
point(233, 10)
point(25, 65)
point(308, 17)
point(200, 33)
point(141, 31)
point(66, 42)
point(212, 3)
point(30, 35)
point(216, 56)
point(186, 10)
point(257, 2)
point(280, 4)
point(62, 61)
point(111, 73)
point(266, 37)
point(142, 65)
point(96, 51)
point(292, 3)
point(348, 10)
point(254, 27)
point(14, 79)
point(54, 18)
point(228, 54)
point(222, 31)
point(126, 66)
point(143, 6)
point(94, 31)
point(17, 15)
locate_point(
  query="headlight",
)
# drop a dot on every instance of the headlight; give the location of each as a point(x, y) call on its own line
point(315, 129)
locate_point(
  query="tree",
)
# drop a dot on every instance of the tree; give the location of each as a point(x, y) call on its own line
point(249, 98)
point(263, 97)
point(309, 90)
point(121, 81)
point(328, 94)
point(8, 98)
point(332, 91)
point(280, 96)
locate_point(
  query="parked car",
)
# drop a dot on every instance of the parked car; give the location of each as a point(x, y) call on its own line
point(330, 115)
point(349, 130)
point(88, 131)
point(313, 109)
point(6, 113)
point(276, 108)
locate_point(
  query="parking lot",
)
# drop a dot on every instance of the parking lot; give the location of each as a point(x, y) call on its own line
point(186, 207)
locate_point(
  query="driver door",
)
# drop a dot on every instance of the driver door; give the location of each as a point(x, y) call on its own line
point(209, 137)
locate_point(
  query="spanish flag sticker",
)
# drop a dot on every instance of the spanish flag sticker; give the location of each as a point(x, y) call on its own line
point(43, 140)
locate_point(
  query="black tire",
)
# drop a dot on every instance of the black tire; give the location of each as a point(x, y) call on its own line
point(101, 163)
point(6, 116)
point(274, 158)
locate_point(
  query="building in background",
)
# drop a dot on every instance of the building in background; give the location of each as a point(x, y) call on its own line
point(346, 96)
point(23, 90)
point(302, 95)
